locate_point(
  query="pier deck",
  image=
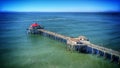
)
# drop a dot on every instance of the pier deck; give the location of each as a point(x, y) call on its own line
point(52, 33)
point(89, 47)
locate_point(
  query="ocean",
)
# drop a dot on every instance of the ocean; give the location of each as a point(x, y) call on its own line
point(18, 49)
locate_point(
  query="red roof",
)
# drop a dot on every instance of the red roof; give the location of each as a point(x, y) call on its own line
point(35, 25)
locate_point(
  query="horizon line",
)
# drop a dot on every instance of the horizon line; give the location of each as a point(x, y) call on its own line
point(68, 11)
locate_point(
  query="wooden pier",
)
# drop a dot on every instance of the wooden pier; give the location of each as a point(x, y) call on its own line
point(82, 44)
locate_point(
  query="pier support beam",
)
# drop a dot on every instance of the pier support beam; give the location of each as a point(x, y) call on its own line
point(92, 50)
point(104, 55)
point(119, 61)
point(98, 53)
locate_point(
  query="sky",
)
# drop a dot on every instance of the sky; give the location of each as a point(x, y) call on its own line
point(60, 5)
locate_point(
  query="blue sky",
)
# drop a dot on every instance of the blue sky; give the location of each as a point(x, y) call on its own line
point(60, 5)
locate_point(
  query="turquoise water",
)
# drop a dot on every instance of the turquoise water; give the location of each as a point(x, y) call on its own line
point(21, 50)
